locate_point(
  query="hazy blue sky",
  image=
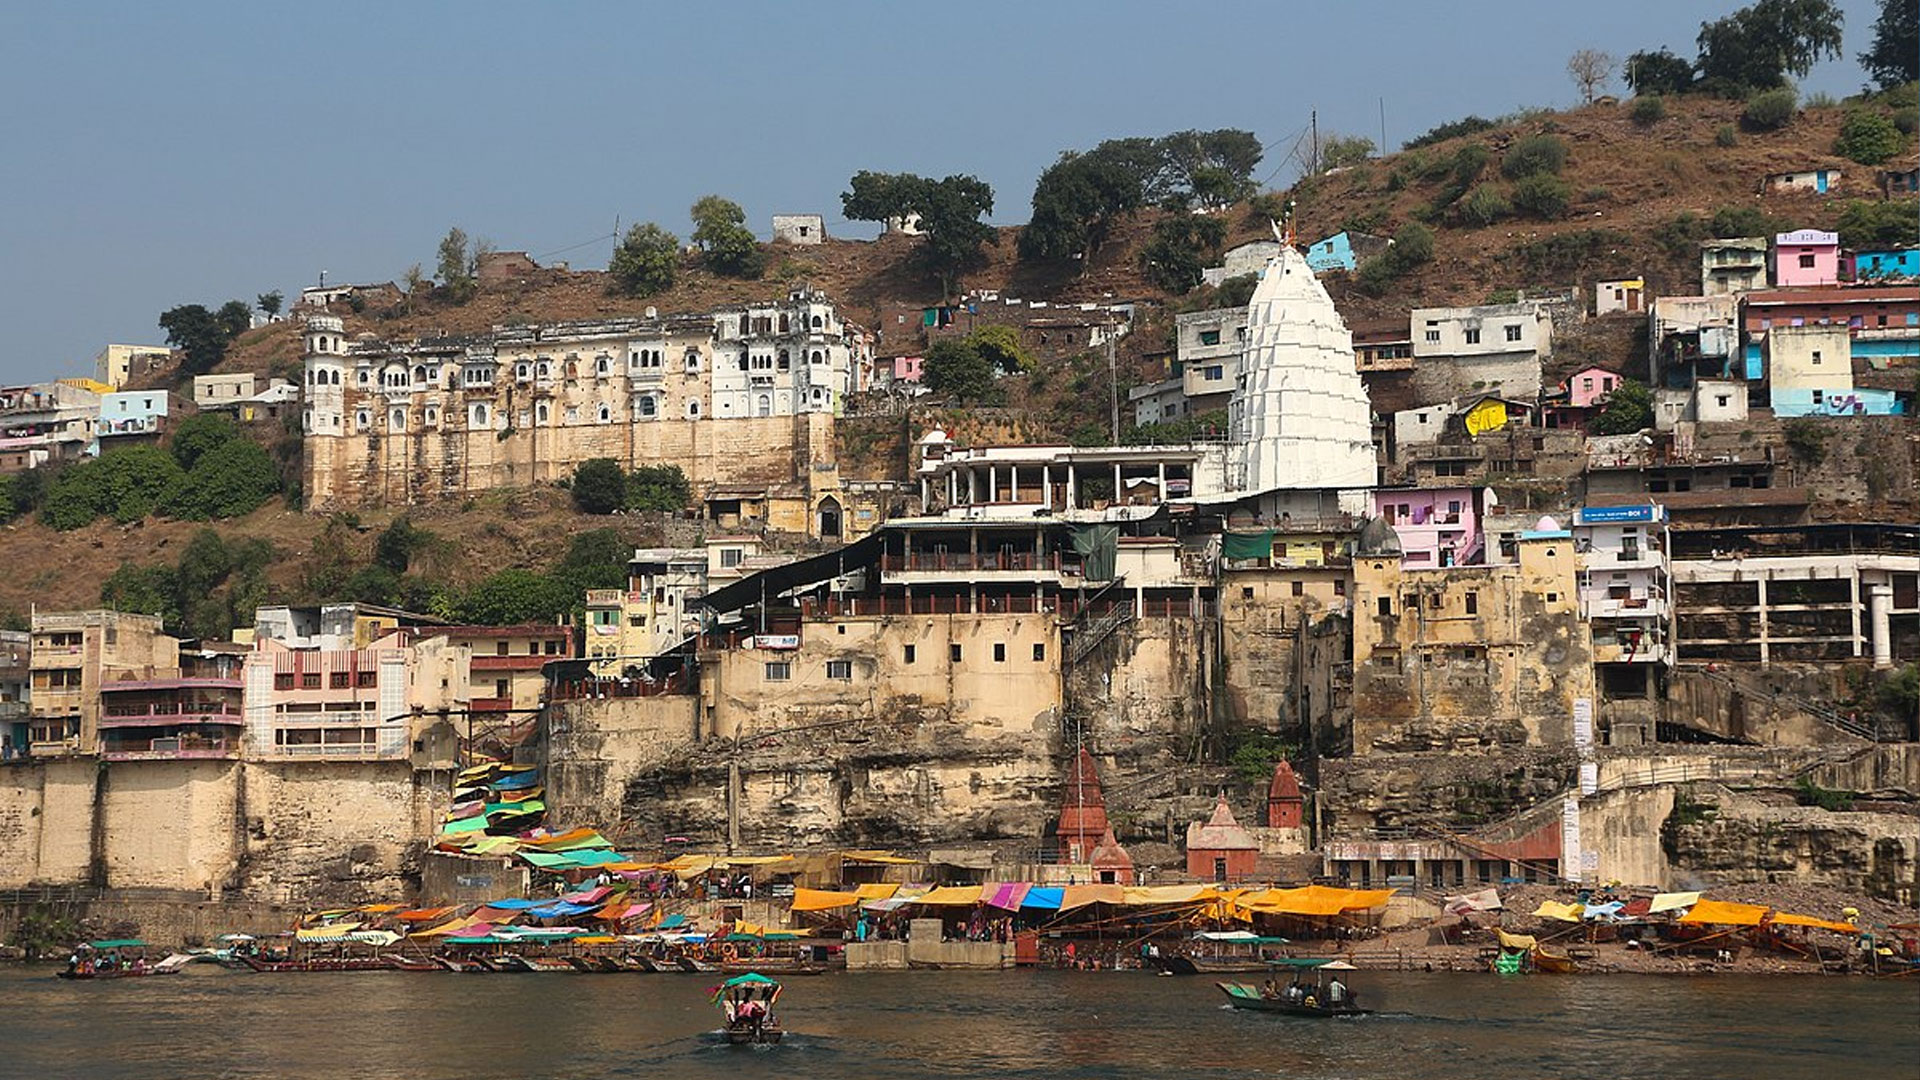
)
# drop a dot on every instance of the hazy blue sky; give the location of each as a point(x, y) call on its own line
point(157, 154)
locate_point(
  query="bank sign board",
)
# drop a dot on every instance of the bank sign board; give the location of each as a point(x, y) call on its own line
point(1613, 515)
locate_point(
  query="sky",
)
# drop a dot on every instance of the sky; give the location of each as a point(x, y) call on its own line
point(161, 154)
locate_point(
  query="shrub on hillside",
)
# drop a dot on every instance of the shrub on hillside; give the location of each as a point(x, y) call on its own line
point(1466, 125)
point(1681, 234)
point(1731, 221)
point(1484, 205)
point(1543, 196)
point(1724, 137)
point(233, 479)
point(1649, 110)
point(1769, 110)
point(1629, 409)
point(599, 486)
point(1876, 224)
point(127, 484)
point(658, 487)
point(1534, 155)
point(1867, 137)
point(1412, 246)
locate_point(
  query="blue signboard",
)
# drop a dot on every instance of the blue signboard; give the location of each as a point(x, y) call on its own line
point(1612, 515)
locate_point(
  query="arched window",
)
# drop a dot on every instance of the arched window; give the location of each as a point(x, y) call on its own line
point(542, 413)
point(743, 360)
point(433, 416)
point(365, 376)
point(786, 364)
point(764, 405)
point(818, 357)
point(544, 371)
point(693, 410)
point(649, 408)
point(693, 361)
point(520, 371)
point(600, 366)
point(420, 373)
point(361, 420)
point(816, 322)
point(783, 323)
point(479, 417)
point(397, 420)
point(309, 377)
point(605, 414)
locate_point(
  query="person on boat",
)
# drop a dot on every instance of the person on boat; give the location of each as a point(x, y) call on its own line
point(1296, 993)
point(1337, 994)
point(1270, 990)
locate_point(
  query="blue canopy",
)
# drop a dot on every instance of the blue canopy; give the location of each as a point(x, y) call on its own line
point(1046, 899)
point(514, 904)
point(517, 781)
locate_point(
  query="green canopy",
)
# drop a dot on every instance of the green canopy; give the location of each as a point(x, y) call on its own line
point(1098, 548)
point(119, 943)
point(751, 978)
point(1254, 545)
point(1300, 961)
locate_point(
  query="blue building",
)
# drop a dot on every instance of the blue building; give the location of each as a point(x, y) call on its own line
point(1888, 264)
point(1842, 402)
point(1343, 251)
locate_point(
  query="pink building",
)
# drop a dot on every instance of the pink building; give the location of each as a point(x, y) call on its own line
point(1436, 526)
point(907, 368)
point(1806, 257)
point(1577, 399)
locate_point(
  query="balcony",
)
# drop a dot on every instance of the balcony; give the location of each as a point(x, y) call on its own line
point(490, 704)
point(149, 714)
point(519, 662)
point(171, 748)
point(354, 751)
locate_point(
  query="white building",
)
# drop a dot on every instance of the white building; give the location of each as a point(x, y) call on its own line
point(1624, 584)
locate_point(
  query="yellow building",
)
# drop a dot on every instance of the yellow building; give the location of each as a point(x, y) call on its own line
point(74, 652)
point(116, 365)
point(1468, 656)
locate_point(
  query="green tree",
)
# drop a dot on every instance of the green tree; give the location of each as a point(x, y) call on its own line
point(332, 561)
point(1080, 197)
point(599, 486)
point(1001, 347)
point(454, 265)
point(1730, 222)
point(1658, 72)
point(1894, 58)
point(720, 231)
point(1211, 169)
point(235, 318)
point(1875, 224)
point(232, 479)
point(198, 334)
point(595, 559)
point(398, 543)
point(949, 211)
point(645, 262)
point(1759, 46)
point(200, 433)
point(1534, 155)
point(515, 596)
point(955, 368)
point(270, 302)
point(1772, 109)
point(659, 488)
point(1867, 137)
point(1542, 196)
point(1629, 408)
point(1466, 125)
point(1236, 291)
point(1345, 151)
point(1181, 246)
point(143, 590)
point(1484, 205)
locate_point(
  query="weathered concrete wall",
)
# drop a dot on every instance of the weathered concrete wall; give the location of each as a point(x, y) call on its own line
point(337, 833)
point(171, 824)
point(164, 922)
point(1622, 830)
point(592, 750)
point(448, 878)
point(1736, 839)
point(1707, 703)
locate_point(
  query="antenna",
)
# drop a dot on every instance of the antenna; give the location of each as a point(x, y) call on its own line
point(1383, 126)
point(1313, 125)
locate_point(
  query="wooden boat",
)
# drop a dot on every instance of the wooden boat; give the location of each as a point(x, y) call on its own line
point(1552, 963)
point(136, 972)
point(688, 963)
point(321, 963)
point(1208, 965)
point(748, 1001)
point(1242, 996)
point(546, 964)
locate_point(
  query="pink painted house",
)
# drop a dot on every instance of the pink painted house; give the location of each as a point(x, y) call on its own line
point(907, 368)
point(1436, 526)
point(1579, 398)
point(1806, 257)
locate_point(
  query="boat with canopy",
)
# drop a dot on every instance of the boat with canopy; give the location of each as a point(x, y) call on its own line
point(1320, 997)
point(748, 1001)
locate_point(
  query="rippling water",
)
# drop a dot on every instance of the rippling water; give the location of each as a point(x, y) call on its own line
point(398, 1026)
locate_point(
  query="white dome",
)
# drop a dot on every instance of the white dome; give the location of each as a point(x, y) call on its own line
point(1546, 524)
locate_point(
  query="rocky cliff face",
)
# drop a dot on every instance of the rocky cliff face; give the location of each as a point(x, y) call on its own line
point(1721, 837)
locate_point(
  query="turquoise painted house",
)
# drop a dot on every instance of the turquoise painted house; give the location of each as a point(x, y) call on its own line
point(1343, 251)
point(1887, 264)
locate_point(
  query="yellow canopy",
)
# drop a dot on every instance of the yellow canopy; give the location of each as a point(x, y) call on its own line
point(1553, 909)
point(1790, 919)
point(755, 860)
point(335, 932)
point(881, 891)
point(1315, 900)
point(450, 927)
point(379, 909)
point(881, 857)
point(823, 900)
point(1149, 895)
point(1517, 941)
point(951, 896)
point(1079, 896)
point(1723, 913)
point(1672, 901)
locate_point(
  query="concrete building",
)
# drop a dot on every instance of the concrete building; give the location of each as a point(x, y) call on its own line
point(742, 398)
point(192, 712)
point(116, 365)
point(1457, 657)
point(75, 654)
point(1344, 250)
point(1818, 181)
point(1887, 264)
point(1883, 321)
point(1805, 258)
point(16, 683)
point(1579, 398)
point(1497, 347)
point(1625, 592)
point(1435, 527)
point(1240, 260)
point(1626, 295)
point(128, 416)
point(805, 230)
point(1207, 351)
point(1158, 403)
point(224, 389)
point(1692, 337)
point(655, 613)
point(506, 672)
point(46, 422)
point(1731, 267)
point(371, 703)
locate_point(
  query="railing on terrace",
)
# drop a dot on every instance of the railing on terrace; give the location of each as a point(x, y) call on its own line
point(593, 689)
point(173, 708)
point(190, 746)
point(333, 750)
point(939, 561)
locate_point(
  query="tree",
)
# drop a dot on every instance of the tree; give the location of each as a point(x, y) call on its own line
point(1629, 409)
point(1867, 137)
point(397, 544)
point(720, 231)
point(1590, 69)
point(1543, 196)
point(1658, 72)
point(1771, 109)
point(595, 559)
point(1864, 224)
point(1533, 155)
point(1344, 151)
point(454, 265)
point(232, 479)
point(599, 486)
point(949, 210)
point(514, 596)
point(144, 590)
point(1212, 168)
point(1236, 291)
point(235, 318)
point(1894, 58)
point(200, 433)
point(645, 261)
point(270, 302)
point(658, 487)
point(198, 334)
point(1077, 201)
point(1001, 347)
point(1181, 246)
point(955, 368)
point(1757, 47)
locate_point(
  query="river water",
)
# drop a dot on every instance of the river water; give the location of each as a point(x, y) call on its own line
point(209, 1023)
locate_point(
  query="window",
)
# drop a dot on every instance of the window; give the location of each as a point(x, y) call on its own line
point(1216, 372)
point(1473, 337)
point(310, 681)
point(999, 652)
point(1513, 332)
point(1473, 603)
point(1806, 262)
point(730, 558)
point(840, 669)
point(338, 680)
point(953, 653)
point(779, 671)
point(693, 410)
point(283, 682)
point(1339, 586)
point(1385, 605)
point(906, 654)
point(1246, 592)
point(1039, 653)
point(364, 679)
point(1299, 588)
point(1433, 337)
point(1816, 356)
point(1209, 337)
point(1553, 597)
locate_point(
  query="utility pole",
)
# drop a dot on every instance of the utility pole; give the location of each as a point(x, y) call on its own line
point(1313, 161)
point(1383, 126)
point(1113, 393)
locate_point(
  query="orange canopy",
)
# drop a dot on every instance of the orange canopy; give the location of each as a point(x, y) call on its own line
point(1079, 896)
point(1725, 913)
point(1316, 900)
point(1789, 919)
point(822, 899)
point(427, 914)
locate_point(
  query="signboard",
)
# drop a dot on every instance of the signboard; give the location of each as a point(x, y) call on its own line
point(1571, 857)
point(776, 641)
point(1583, 723)
point(1607, 515)
point(1589, 778)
